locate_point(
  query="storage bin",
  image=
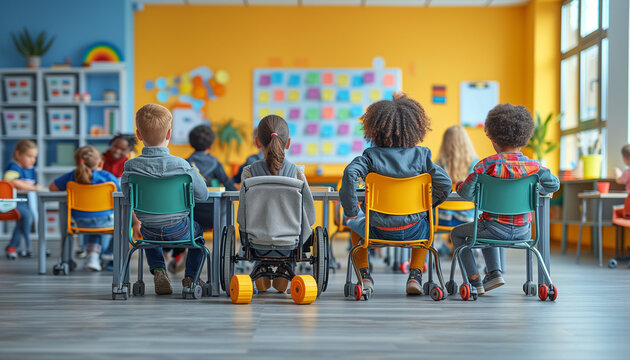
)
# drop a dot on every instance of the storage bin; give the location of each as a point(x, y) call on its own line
point(18, 89)
point(60, 88)
point(18, 122)
point(62, 121)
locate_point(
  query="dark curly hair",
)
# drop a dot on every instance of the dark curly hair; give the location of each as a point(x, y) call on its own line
point(400, 122)
point(201, 137)
point(129, 138)
point(509, 125)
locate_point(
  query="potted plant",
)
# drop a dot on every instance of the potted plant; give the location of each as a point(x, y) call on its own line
point(227, 135)
point(591, 157)
point(32, 49)
point(538, 142)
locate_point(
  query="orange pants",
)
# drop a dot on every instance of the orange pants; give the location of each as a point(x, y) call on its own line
point(361, 256)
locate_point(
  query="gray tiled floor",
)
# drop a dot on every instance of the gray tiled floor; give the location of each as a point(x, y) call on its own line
point(49, 317)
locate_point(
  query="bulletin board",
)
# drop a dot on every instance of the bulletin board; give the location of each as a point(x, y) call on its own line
point(322, 107)
point(476, 99)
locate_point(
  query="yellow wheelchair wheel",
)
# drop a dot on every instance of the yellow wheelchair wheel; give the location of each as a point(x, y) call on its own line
point(303, 289)
point(241, 289)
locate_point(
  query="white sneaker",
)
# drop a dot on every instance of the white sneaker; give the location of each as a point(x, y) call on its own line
point(92, 262)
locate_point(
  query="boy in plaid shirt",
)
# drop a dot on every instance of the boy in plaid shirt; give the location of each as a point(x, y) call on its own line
point(509, 128)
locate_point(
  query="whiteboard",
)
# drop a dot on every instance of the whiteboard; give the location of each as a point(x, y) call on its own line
point(476, 98)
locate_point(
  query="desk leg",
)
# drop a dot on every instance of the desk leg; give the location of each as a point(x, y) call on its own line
point(544, 238)
point(116, 238)
point(217, 227)
point(582, 221)
point(41, 230)
point(124, 247)
point(600, 238)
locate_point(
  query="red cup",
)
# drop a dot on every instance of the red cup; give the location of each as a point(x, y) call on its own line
point(603, 187)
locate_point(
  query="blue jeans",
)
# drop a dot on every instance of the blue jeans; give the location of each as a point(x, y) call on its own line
point(95, 242)
point(418, 231)
point(22, 227)
point(179, 231)
point(486, 230)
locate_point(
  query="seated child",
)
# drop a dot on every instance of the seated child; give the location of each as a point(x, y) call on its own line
point(154, 125)
point(623, 177)
point(394, 128)
point(20, 172)
point(120, 146)
point(273, 138)
point(87, 160)
point(237, 179)
point(509, 128)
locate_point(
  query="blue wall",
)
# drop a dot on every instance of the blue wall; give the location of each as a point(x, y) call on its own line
point(76, 24)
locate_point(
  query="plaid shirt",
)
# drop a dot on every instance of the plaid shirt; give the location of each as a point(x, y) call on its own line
point(508, 166)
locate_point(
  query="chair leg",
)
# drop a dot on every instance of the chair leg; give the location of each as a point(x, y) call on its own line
point(582, 221)
point(140, 264)
point(541, 264)
point(438, 268)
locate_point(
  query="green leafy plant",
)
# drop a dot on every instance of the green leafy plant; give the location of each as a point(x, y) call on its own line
point(28, 46)
point(227, 136)
point(538, 142)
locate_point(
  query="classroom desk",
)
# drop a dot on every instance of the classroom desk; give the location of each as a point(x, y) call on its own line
point(42, 198)
point(598, 222)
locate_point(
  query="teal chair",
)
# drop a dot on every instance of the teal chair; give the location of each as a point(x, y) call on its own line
point(506, 197)
point(162, 196)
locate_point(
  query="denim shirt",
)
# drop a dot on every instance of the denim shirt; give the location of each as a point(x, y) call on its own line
point(157, 162)
point(397, 163)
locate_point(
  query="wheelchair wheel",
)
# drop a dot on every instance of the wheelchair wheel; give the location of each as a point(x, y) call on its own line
point(303, 289)
point(320, 257)
point(227, 251)
point(241, 289)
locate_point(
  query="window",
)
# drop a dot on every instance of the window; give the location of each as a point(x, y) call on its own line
point(583, 79)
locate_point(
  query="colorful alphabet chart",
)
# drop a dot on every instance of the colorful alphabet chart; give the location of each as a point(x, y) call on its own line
point(322, 107)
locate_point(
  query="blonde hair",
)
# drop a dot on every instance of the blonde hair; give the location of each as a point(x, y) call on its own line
point(456, 153)
point(86, 158)
point(22, 146)
point(153, 122)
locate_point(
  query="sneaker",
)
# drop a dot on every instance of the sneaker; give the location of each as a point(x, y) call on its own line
point(92, 262)
point(11, 253)
point(81, 254)
point(263, 283)
point(280, 283)
point(414, 282)
point(25, 254)
point(186, 281)
point(493, 280)
point(478, 285)
point(161, 282)
point(368, 282)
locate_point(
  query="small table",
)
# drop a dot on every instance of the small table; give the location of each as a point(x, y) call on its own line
point(42, 198)
point(598, 223)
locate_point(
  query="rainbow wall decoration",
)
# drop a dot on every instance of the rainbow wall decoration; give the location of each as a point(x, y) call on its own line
point(102, 52)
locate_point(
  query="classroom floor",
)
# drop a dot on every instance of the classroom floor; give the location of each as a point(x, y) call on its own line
point(73, 317)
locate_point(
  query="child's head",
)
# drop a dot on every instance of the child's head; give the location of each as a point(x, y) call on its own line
point(254, 136)
point(201, 137)
point(25, 153)
point(509, 126)
point(273, 138)
point(121, 145)
point(625, 152)
point(154, 123)
point(457, 152)
point(86, 159)
point(400, 122)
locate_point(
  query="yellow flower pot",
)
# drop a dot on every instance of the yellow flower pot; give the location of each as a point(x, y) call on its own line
point(592, 166)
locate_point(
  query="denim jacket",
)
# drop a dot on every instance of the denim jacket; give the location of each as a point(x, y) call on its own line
point(397, 163)
point(157, 162)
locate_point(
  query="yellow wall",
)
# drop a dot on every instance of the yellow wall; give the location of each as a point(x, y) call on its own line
point(431, 45)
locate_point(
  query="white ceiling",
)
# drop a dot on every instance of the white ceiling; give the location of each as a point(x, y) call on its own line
point(415, 3)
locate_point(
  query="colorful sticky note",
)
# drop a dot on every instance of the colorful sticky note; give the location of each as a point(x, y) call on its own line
point(375, 94)
point(294, 95)
point(343, 149)
point(327, 147)
point(296, 149)
point(312, 94)
point(294, 80)
point(343, 129)
point(279, 112)
point(292, 129)
point(311, 149)
point(342, 80)
point(264, 80)
point(356, 96)
point(328, 112)
point(343, 113)
point(368, 77)
point(294, 113)
point(312, 114)
point(148, 85)
point(162, 96)
point(328, 78)
point(327, 131)
point(388, 95)
point(263, 96)
point(312, 78)
point(328, 95)
point(311, 128)
point(161, 83)
point(262, 112)
point(358, 130)
point(278, 95)
point(357, 146)
point(357, 80)
point(343, 95)
point(389, 80)
point(356, 111)
point(276, 78)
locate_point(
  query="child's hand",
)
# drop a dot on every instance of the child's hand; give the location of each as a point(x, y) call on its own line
point(618, 173)
point(350, 217)
point(136, 231)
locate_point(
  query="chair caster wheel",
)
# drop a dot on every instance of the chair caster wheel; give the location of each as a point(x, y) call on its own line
point(428, 286)
point(436, 293)
point(612, 263)
point(451, 287)
point(206, 290)
point(529, 288)
point(197, 291)
point(137, 289)
point(347, 289)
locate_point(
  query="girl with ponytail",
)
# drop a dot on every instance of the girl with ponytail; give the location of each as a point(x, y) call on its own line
point(88, 162)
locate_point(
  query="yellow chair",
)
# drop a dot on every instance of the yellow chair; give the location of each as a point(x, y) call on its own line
point(395, 196)
point(83, 198)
